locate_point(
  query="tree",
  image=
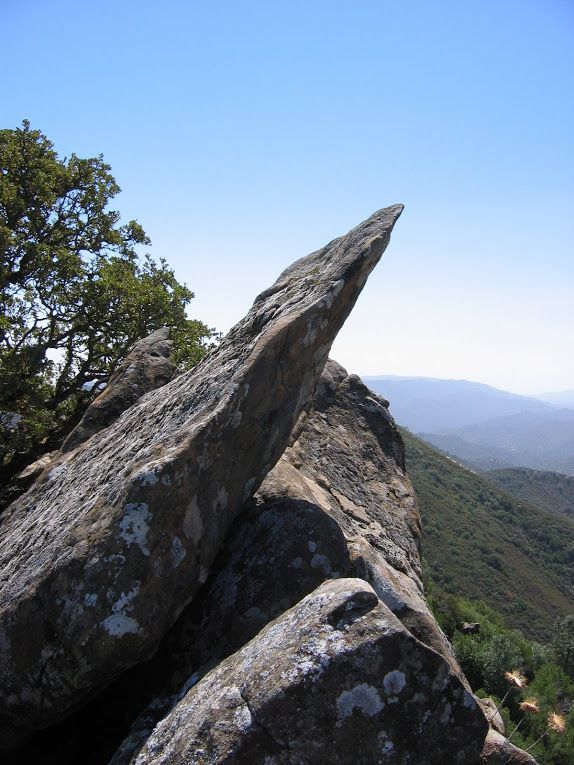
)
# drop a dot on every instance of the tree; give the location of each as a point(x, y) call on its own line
point(563, 644)
point(74, 293)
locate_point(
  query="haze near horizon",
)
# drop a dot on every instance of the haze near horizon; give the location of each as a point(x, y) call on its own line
point(247, 135)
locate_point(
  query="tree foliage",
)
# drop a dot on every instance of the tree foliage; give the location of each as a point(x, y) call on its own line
point(73, 292)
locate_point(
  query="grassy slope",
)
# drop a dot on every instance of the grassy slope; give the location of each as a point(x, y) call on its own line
point(550, 491)
point(481, 543)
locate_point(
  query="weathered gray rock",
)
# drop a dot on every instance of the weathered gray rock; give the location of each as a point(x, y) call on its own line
point(336, 679)
point(146, 367)
point(99, 557)
point(337, 504)
point(500, 751)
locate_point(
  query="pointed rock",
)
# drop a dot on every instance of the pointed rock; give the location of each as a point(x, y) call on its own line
point(100, 556)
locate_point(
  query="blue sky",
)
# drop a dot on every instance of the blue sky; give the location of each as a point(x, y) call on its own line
point(246, 134)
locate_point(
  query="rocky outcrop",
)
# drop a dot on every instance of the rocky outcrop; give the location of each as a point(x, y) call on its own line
point(337, 504)
point(146, 367)
point(500, 751)
point(100, 556)
point(335, 679)
point(490, 709)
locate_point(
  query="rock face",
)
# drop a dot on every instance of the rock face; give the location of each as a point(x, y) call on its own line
point(100, 556)
point(492, 714)
point(500, 751)
point(335, 679)
point(147, 366)
point(337, 504)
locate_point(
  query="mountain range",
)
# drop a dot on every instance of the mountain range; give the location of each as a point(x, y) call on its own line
point(481, 426)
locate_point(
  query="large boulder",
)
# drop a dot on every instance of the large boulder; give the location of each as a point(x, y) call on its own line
point(335, 679)
point(101, 555)
point(337, 504)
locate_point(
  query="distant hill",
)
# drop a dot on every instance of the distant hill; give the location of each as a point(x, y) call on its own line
point(482, 543)
point(481, 426)
point(536, 440)
point(424, 404)
point(563, 398)
point(475, 456)
point(551, 491)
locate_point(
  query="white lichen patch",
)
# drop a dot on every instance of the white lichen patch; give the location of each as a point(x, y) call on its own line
point(90, 599)
point(124, 600)
point(242, 718)
point(394, 682)
point(117, 625)
point(363, 697)
point(312, 546)
point(192, 523)
point(148, 477)
point(134, 525)
point(177, 552)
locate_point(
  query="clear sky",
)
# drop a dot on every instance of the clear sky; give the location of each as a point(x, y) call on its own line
point(246, 134)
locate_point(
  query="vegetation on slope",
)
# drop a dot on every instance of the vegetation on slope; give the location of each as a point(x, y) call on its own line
point(481, 543)
point(494, 650)
point(550, 491)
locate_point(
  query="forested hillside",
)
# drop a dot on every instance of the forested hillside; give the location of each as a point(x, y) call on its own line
point(480, 542)
point(550, 491)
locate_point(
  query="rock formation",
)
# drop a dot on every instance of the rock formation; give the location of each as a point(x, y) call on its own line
point(337, 678)
point(104, 551)
point(500, 751)
point(337, 504)
point(290, 633)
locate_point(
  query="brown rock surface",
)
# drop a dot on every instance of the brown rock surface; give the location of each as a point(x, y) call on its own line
point(336, 679)
point(100, 556)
